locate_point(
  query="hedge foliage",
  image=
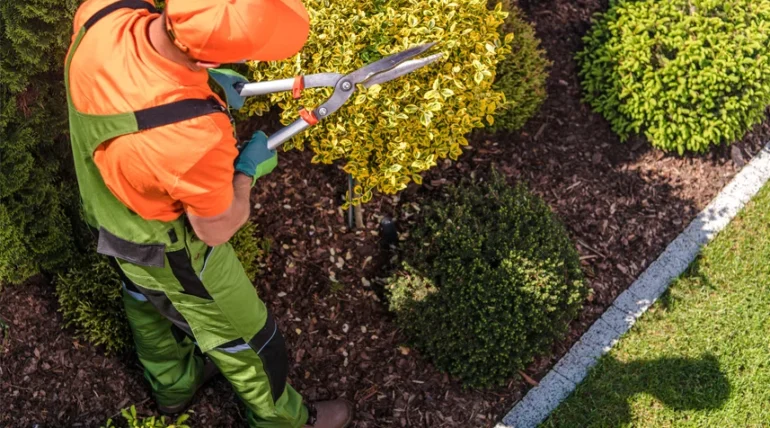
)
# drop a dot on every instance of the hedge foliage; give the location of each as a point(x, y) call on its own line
point(688, 74)
point(90, 300)
point(491, 280)
point(391, 133)
point(521, 75)
point(251, 249)
point(37, 198)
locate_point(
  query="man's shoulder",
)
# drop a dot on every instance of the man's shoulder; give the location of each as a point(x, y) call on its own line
point(107, 74)
point(89, 8)
point(179, 146)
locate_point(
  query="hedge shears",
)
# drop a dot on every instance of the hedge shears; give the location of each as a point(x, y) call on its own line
point(237, 87)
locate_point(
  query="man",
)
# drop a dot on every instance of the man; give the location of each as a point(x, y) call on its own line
point(164, 188)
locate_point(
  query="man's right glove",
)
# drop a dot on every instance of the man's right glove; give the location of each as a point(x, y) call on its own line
point(255, 159)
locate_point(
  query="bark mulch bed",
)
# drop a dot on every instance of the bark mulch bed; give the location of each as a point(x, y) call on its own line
point(622, 204)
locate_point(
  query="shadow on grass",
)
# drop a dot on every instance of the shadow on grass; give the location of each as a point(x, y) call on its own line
point(679, 384)
point(694, 275)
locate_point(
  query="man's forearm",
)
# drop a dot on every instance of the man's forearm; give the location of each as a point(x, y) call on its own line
point(219, 229)
point(241, 198)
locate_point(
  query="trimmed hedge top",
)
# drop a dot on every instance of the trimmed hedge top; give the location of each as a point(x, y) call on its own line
point(687, 73)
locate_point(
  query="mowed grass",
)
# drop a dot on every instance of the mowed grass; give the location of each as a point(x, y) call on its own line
point(700, 357)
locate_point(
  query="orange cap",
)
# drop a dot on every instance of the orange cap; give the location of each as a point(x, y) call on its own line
point(227, 31)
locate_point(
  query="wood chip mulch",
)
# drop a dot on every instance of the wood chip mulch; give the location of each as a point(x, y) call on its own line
point(622, 204)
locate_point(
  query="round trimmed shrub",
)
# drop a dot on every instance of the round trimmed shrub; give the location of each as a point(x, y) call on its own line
point(522, 75)
point(491, 280)
point(688, 74)
point(390, 133)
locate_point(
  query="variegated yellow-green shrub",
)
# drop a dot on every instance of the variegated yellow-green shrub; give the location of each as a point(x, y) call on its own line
point(391, 133)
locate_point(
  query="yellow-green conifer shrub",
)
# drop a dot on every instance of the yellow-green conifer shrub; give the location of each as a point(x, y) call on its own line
point(688, 74)
point(392, 132)
point(251, 249)
point(90, 301)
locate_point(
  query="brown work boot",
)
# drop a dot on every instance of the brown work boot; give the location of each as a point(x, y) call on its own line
point(209, 371)
point(330, 414)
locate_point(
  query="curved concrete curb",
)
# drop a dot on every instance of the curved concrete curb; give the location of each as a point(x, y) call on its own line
point(632, 303)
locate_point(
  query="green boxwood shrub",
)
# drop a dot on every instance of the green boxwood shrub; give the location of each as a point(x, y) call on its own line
point(688, 74)
point(491, 280)
point(522, 75)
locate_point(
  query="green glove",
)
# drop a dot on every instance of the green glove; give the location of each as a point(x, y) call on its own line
point(255, 159)
point(227, 79)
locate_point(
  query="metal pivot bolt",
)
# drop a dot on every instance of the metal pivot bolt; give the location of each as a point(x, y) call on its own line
point(346, 86)
point(322, 111)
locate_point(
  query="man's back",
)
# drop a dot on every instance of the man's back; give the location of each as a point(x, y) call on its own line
point(161, 172)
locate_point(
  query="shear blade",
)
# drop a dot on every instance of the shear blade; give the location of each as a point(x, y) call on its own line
point(405, 67)
point(363, 74)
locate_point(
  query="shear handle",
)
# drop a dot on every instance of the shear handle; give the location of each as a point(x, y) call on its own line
point(318, 80)
point(285, 134)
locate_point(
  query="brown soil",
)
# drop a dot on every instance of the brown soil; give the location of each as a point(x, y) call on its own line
point(622, 204)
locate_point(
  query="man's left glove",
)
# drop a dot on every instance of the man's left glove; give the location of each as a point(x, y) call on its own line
point(255, 159)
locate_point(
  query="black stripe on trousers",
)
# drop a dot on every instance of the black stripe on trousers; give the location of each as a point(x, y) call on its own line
point(270, 345)
point(183, 270)
point(158, 299)
point(163, 304)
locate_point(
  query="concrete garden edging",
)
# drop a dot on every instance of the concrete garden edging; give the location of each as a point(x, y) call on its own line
point(559, 383)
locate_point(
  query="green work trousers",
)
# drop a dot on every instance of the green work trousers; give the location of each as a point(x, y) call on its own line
point(203, 297)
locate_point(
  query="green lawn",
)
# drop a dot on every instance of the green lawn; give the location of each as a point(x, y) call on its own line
point(701, 355)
